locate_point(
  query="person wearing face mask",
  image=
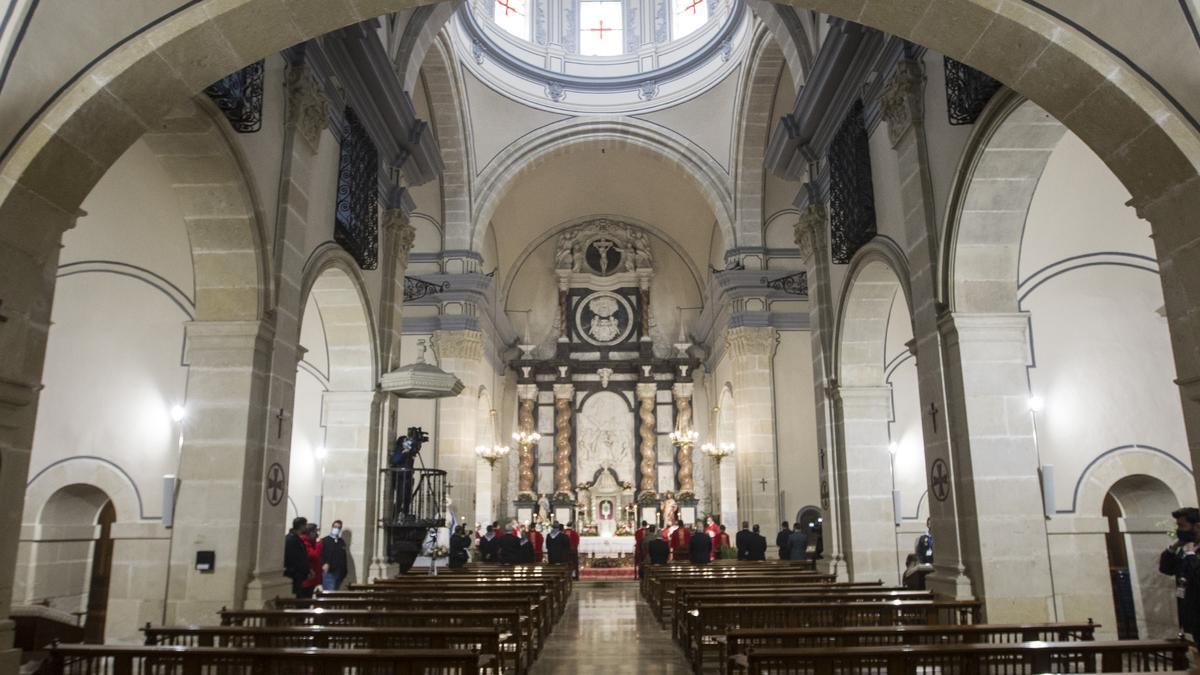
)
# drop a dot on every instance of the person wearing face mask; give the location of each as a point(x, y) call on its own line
point(1179, 560)
point(334, 563)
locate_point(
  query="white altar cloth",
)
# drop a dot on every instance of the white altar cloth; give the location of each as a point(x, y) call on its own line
point(605, 546)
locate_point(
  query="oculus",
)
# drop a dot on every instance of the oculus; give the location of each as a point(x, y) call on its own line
point(604, 318)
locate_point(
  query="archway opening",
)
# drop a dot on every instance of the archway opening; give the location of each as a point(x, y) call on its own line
point(72, 570)
point(1143, 599)
point(102, 557)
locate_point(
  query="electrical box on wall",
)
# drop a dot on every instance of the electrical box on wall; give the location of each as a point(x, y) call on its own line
point(206, 561)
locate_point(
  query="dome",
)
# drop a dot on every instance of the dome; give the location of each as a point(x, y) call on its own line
point(601, 55)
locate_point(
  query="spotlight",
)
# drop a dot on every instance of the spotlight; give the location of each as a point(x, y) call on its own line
point(178, 413)
point(320, 453)
point(892, 447)
point(1036, 403)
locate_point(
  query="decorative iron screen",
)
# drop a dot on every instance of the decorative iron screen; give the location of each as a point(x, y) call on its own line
point(967, 92)
point(356, 220)
point(851, 193)
point(792, 284)
point(239, 95)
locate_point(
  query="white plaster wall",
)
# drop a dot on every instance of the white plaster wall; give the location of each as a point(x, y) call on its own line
point(795, 425)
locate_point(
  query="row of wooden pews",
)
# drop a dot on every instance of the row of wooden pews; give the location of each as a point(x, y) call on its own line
point(783, 618)
point(485, 618)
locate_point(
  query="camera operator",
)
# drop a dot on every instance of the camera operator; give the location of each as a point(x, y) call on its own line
point(403, 457)
point(1179, 560)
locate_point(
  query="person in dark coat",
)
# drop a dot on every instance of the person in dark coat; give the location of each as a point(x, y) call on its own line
point(742, 541)
point(658, 552)
point(488, 551)
point(1179, 560)
point(924, 548)
point(507, 545)
point(524, 549)
point(757, 546)
point(459, 543)
point(295, 558)
point(781, 540)
point(335, 563)
point(798, 543)
point(558, 546)
point(700, 547)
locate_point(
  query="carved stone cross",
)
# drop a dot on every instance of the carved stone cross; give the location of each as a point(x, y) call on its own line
point(763, 482)
point(933, 413)
point(282, 417)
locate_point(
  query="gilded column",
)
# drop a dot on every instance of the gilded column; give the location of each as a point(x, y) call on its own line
point(683, 424)
point(527, 397)
point(646, 394)
point(564, 398)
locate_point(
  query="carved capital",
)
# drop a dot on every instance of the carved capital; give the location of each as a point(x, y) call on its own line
point(647, 390)
point(564, 391)
point(527, 392)
point(752, 341)
point(900, 103)
point(458, 344)
point(403, 234)
point(810, 231)
point(683, 389)
point(307, 105)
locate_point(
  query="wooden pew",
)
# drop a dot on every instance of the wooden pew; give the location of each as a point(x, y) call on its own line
point(711, 621)
point(739, 641)
point(540, 594)
point(687, 592)
point(118, 659)
point(508, 622)
point(1122, 656)
point(483, 641)
point(659, 591)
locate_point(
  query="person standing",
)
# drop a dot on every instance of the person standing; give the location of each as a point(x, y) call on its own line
point(678, 538)
point(335, 563)
point(312, 550)
point(573, 553)
point(742, 539)
point(459, 543)
point(657, 550)
point(488, 552)
point(721, 543)
point(924, 548)
point(524, 553)
point(537, 540)
point(781, 541)
point(700, 547)
point(1179, 560)
point(558, 545)
point(295, 557)
point(713, 530)
point(758, 545)
point(639, 549)
point(507, 545)
point(798, 543)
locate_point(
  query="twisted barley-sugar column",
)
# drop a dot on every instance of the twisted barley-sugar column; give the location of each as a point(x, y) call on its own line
point(563, 393)
point(527, 393)
point(683, 424)
point(646, 392)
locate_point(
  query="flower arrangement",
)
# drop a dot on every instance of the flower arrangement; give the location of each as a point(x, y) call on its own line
point(623, 530)
point(439, 552)
point(590, 531)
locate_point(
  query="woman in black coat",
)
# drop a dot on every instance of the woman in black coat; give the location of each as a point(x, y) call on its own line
point(460, 543)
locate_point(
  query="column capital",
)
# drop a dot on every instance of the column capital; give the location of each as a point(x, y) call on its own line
point(458, 344)
point(647, 389)
point(960, 327)
point(752, 340)
point(397, 226)
point(564, 390)
point(527, 391)
point(901, 101)
point(809, 231)
point(683, 389)
point(307, 105)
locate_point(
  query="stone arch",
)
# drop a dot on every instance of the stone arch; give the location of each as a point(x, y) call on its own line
point(98, 473)
point(753, 130)
point(790, 27)
point(989, 202)
point(449, 123)
point(232, 270)
point(334, 282)
point(575, 135)
point(876, 274)
point(1157, 471)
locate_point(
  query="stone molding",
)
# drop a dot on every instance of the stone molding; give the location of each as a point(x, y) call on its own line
point(901, 102)
point(646, 389)
point(809, 231)
point(527, 391)
point(564, 390)
point(752, 341)
point(458, 344)
point(404, 235)
point(683, 389)
point(209, 336)
point(308, 107)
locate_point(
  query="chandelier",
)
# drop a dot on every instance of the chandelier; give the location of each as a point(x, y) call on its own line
point(718, 452)
point(492, 454)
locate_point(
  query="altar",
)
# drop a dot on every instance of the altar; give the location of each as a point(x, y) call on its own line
point(605, 547)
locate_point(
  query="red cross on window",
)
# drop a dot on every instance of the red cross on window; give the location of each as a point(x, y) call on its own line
point(601, 29)
point(693, 6)
point(508, 8)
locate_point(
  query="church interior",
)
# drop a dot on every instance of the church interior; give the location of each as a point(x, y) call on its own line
point(917, 279)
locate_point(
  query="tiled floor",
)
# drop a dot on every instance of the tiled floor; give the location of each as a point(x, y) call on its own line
point(608, 630)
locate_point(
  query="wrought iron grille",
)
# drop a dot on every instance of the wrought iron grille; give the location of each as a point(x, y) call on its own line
point(415, 289)
point(967, 92)
point(239, 95)
point(792, 284)
point(851, 194)
point(356, 220)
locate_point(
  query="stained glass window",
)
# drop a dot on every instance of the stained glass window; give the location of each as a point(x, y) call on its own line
point(689, 16)
point(513, 17)
point(600, 26)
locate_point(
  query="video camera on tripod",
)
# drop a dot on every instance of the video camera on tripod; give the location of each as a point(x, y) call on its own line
point(416, 438)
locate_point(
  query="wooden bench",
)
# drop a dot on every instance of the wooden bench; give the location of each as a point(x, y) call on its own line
point(537, 594)
point(739, 641)
point(687, 592)
point(1011, 659)
point(658, 591)
point(483, 641)
point(512, 639)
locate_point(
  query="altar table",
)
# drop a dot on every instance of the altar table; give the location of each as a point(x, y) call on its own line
point(606, 547)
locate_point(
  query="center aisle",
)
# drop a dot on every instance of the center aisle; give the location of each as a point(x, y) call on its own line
point(607, 630)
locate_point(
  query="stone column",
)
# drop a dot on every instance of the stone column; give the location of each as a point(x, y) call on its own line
point(647, 393)
point(682, 392)
point(812, 240)
point(222, 482)
point(350, 472)
point(995, 475)
point(527, 402)
point(753, 353)
point(459, 352)
point(31, 232)
point(865, 482)
point(564, 405)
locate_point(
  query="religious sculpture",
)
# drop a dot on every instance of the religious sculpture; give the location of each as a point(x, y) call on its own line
point(603, 247)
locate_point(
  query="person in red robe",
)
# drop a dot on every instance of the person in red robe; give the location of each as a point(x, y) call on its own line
point(312, 547)
point(678, 538)
point(574, 560)
point(536, 537)
point(721, 543)
point(639, 551)
point(714, 533)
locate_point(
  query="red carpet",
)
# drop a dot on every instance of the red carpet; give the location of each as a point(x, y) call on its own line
point(606, 574)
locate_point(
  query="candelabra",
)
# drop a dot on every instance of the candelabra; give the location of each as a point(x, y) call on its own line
point(718, 452)
point(491, 454)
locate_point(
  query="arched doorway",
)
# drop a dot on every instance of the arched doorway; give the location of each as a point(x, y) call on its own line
point(102, 556)
point(72, 570)
point(1131, 506)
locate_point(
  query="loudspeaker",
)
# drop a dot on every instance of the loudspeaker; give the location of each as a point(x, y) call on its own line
point(170, 484)
point(896, 506)
point(1048, 489)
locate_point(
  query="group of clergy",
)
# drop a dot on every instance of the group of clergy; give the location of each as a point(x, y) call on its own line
point(523, 544)
point(699, 545)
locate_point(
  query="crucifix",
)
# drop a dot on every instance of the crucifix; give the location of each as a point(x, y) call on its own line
point(601, 30)
point(508, 8)
point(695, 3)
point(763, 482)
point(281, 416)
point(933, 413)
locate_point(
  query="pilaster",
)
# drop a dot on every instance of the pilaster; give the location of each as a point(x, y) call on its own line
point(865, 482)
point(753, 352)
point(350, 472)
point(459, 352)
